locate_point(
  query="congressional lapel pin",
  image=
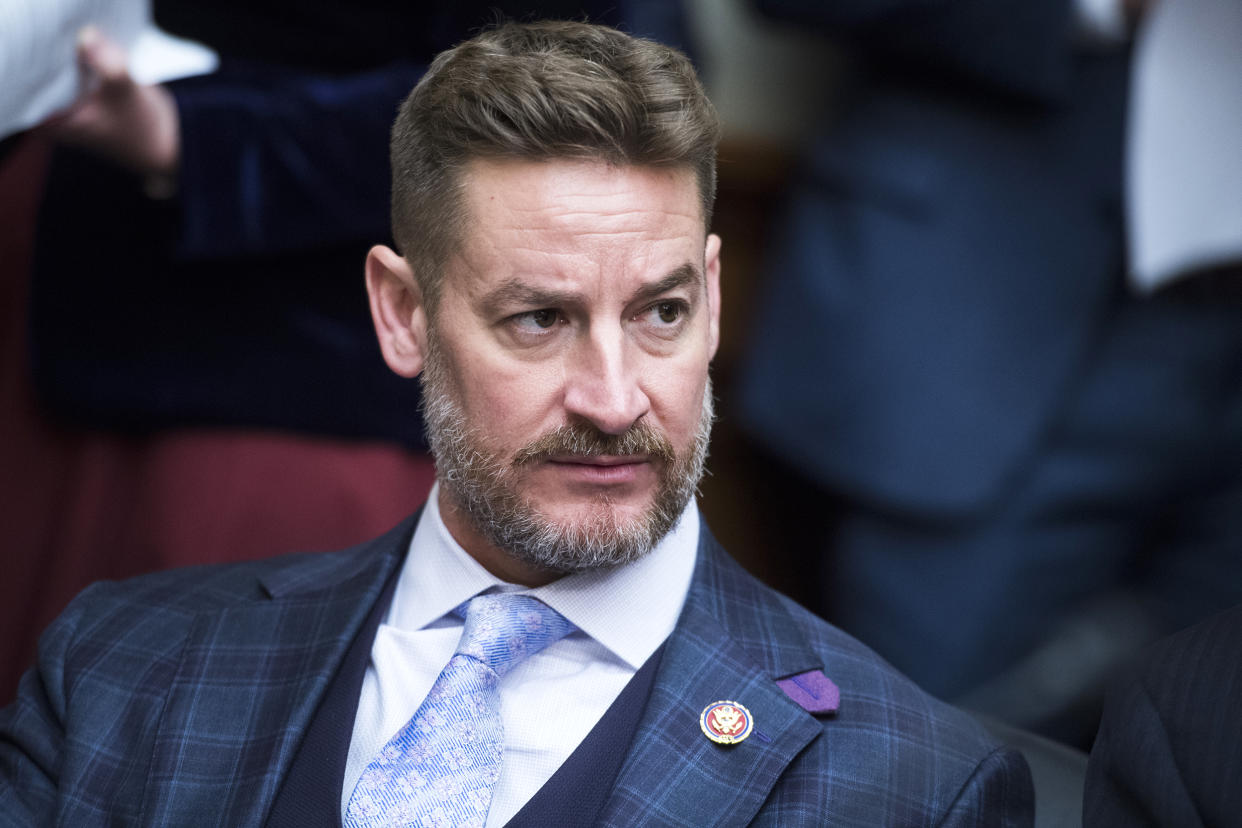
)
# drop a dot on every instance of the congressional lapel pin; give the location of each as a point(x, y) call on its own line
point(726, 722)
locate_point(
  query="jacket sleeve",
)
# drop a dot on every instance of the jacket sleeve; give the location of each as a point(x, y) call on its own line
point(998, 793)
point(275, 160)
point(32, 733)
point(1011, 46)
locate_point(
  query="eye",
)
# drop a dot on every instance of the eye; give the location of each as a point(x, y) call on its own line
point(669, 312)
point(666, 313)
point(544, 317)
point(536, 322)
point(665, 319)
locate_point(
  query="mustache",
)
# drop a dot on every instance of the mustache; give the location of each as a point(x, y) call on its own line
point(587, 441)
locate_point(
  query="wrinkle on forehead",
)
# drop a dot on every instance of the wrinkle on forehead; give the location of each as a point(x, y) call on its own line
point(562, 221)
point(567, 210)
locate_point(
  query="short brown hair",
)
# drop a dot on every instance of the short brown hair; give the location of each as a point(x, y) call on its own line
point(539, 91)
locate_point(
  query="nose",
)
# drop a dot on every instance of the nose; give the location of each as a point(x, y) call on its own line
point(602, 383)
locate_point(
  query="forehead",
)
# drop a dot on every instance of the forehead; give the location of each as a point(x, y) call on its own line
point(523, 210)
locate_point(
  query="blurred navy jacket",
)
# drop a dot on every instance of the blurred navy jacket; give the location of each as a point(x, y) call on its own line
point(948, 253)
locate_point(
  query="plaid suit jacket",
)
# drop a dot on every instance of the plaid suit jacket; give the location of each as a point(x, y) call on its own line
point(180, 698)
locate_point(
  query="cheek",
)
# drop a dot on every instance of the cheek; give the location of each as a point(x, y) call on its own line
point(677, 399)
point(511, 404)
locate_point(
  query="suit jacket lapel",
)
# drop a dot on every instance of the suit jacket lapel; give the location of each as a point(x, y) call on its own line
point(250, 679)
point(732, 641)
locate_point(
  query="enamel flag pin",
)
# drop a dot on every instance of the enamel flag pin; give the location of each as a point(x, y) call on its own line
point(726, 722)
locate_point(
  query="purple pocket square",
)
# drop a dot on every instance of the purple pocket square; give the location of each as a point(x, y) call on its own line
point(813, 691)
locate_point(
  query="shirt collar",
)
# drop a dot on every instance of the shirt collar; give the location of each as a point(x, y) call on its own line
point(630, 609)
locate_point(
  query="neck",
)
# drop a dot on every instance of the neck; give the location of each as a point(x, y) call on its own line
point(491, 557)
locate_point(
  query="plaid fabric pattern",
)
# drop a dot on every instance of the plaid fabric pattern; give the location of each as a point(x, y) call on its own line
point(179, 699)
point(891, 756)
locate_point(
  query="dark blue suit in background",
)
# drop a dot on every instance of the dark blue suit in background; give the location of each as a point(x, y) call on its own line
point(1167, 752)
point(946, 349)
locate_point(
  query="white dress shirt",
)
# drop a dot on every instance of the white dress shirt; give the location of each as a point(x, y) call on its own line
point(550, 701)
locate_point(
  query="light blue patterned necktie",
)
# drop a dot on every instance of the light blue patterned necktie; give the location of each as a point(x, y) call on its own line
point(439, 770)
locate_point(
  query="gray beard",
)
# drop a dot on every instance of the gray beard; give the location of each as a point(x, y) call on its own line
point(484, 486)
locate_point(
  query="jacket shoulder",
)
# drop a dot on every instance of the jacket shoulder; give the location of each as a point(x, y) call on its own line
point(891, 752)
point(143, 622)
point(871, 686)
point(208, 587)
point(780, 634)
point(88, 715)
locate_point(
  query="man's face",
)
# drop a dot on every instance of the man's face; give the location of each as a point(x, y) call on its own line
point(566, 386)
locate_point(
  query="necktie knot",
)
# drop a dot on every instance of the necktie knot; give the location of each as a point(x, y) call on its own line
point(502, 629)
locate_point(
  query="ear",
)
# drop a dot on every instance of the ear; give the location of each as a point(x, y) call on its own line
point(397, 310)
point(712, 272)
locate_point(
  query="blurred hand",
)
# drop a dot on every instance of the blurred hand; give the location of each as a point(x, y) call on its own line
point(136, 126)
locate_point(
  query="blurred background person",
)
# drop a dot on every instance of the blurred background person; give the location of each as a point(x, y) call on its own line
point(1031, 446)
point(190, 372)
point(1167, 750)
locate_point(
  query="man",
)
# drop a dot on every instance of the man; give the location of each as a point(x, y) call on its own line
point(558, 292)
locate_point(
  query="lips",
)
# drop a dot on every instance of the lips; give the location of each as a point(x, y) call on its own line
point(601, 469)
point(598, 460)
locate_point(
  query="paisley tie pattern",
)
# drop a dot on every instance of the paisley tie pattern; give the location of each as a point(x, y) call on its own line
point(439, 770)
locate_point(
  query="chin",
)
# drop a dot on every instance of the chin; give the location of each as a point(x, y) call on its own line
point(593, 510)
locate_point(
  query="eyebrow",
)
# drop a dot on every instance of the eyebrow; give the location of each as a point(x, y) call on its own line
point(516, 292)
point(681, 276)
